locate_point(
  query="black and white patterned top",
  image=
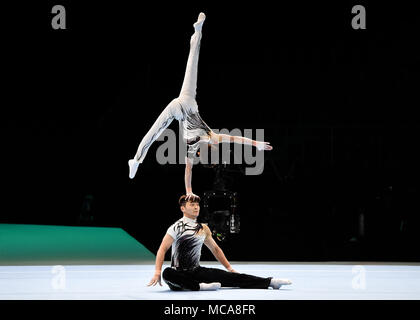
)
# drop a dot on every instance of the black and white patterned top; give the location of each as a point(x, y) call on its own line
point(189, 236)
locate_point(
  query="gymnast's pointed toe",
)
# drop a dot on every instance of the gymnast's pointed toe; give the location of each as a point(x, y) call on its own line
point(133, 165)
point(200, 21)
point(201, 16)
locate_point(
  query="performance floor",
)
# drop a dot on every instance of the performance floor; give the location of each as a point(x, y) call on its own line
point(311, 281)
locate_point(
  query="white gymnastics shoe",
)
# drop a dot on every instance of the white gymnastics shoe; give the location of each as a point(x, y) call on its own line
point(133, 165)
point(210, 286)
point(200, 21)
point(277, 283)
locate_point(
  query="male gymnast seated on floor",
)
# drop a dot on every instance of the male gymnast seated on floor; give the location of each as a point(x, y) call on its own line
point(186, 236)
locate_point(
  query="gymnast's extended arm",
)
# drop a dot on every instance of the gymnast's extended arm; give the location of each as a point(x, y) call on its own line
point(220, 138)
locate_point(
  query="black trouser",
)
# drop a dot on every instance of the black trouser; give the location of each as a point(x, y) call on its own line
point(190, 280)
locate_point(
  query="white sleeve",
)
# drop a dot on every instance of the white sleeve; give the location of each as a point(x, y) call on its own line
point(171, 231)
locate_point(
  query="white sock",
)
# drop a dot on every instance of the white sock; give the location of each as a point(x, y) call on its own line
point(210, 286)
point(133, 165)
point(277, 283)
point(198, 25)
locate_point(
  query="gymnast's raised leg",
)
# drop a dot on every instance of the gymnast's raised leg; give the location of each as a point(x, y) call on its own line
point(178, 108)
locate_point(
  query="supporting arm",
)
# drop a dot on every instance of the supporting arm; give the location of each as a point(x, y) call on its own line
point(188, 178)
point(216, 250)
point(160, 257)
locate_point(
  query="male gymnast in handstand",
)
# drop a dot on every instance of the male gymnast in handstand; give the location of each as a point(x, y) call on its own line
point(185, 110)
point(186, 237)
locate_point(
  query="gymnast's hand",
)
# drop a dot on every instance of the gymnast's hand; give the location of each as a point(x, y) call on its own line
point(191, 196)
point(261, 145)
point(155, 280)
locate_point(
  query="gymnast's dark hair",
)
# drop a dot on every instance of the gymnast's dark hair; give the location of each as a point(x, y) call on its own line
point(182, 200)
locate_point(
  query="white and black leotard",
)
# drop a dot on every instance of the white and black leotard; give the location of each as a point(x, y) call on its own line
point(184, 108)
point(189, 236)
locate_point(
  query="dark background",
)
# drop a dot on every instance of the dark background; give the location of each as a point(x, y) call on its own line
point(337, 104)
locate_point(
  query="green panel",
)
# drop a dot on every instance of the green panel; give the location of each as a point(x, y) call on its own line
point(41, 244)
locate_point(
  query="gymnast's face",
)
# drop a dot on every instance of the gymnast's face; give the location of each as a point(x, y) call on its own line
point(191, 209)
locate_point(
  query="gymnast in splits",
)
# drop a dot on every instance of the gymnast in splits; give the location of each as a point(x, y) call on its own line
point(185, 109)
